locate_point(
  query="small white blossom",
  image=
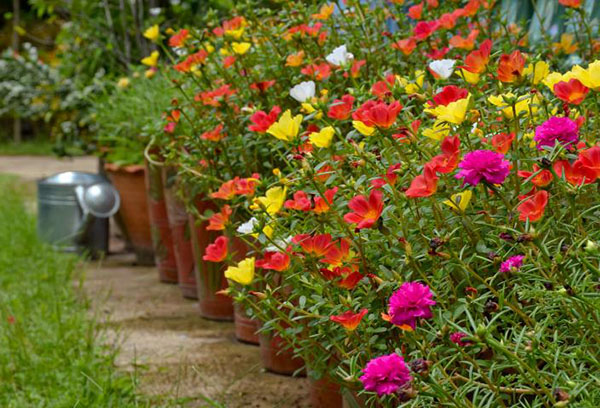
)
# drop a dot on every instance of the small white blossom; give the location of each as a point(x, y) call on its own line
point(248, 226)
point(339, 56)
point(443, 68)
point(303, 91)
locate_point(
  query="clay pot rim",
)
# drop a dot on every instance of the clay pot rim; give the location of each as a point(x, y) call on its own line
point(132, 168)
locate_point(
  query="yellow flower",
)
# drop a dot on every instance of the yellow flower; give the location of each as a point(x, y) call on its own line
point(455, 112)
point(151, 60)
point(123, 83)
point(272, 200)
point(460, 201)
point(566, 44)
point(308, 108)
point(362, 128)
point(236, 34)
point(470, 77)
point(242, 273)
point(323, 137)
point(415, 87)
point(286, 128)
point(152, 33)
point(439, 131)
point(240, 48)
point(523, 104)
point(150, 73)
point(538, 71)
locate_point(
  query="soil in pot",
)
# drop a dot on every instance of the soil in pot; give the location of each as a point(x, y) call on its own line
point(277, 357)
point(180, 231)
point(210, 276)
point(129, 181)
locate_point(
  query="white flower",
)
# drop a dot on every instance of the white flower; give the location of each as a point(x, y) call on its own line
point(339, 56)
point(303, 91)
point(444, 68)
point(248, 226)
point(281, 243)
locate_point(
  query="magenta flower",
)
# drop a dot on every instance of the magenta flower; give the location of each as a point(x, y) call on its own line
point(561, 129)
point(483, 164)
point(386, 374)
point(411, 301)
point(457, 338)
point(512, 262)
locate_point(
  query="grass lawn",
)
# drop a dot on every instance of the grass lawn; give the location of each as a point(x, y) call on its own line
point(26, 148)
point(50, 351)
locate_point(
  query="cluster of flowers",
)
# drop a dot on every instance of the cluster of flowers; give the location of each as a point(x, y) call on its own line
point(419, 196)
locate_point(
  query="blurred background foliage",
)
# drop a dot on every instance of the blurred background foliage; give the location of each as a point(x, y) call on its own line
point(70, 54)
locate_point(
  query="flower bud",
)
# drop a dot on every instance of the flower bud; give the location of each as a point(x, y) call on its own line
point(591, 247)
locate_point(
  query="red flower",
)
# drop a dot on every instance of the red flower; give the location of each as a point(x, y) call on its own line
point(375, 113)
point(322, 205)
point(317, 245)
point(502, 142)
point(300, 202)
point(590, 162)
point(532, 209)
point(423, 185)
point(317, 71)
point(338, 253)
point(465, 43)
point(449, 94)
point(571, 92)
point(217, 251)
point(218, 220)
point(341, 108)
point(355, 69)
point(575, 173)
point(510, 67)
point(213, 135)
point(277, 261)
point(366, 212)
point(542, 179)
point(263, 121)
point(228, 61)
point(448, 160)
point(262, 86)
point(349, 319)
point(424, 29)
point(349, 279)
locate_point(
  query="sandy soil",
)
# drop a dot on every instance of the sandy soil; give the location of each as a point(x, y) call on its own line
point(174, 351)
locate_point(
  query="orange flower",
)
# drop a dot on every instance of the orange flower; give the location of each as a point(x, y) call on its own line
point(510, 67)
point(322, 205)
point(416, 12)
point(590, 162)
point(325, 12)
point(338, 253)
point(355, 69)
point(377, 114)
point(464, 43)
point(423, 185)
point(217, 251)
point(477, 60)
point(570, 3)
point(407, 45)
point(349, 319)
point(277, 261)
point(448, 160)
point(365, 211)
point(294, 60)
point(300, 202)
point(571, 92)
point(317, 71)
point(532, 208)
point(502, 142)
point(179, 38)
point(542, 179)
point(218, 220)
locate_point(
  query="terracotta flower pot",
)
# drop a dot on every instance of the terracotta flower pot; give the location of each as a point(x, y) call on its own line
point(325, 393)
point(210, 276)
point(164, 252)
point(276, 356)
point(180, 231)
point(245, 327)
point(129, 181)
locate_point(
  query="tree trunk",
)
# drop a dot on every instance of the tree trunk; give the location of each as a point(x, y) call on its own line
point(15, 47)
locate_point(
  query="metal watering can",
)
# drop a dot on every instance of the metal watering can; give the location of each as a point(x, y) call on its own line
point(73, 211)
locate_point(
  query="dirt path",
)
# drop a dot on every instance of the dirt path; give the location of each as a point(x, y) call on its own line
point(175, 352)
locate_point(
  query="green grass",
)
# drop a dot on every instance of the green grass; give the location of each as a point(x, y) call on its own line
point(26, 148)
point(51, 354)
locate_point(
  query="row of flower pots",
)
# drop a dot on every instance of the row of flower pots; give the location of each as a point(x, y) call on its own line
point(158, 224)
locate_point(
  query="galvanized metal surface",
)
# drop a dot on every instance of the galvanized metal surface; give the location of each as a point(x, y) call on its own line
point(73, 211)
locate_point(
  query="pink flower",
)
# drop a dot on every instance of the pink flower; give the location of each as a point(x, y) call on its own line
point(561, 129)
point(512, 262)
point(483, 164)
point(386, 374)
point(457, 338)
point(411, 301)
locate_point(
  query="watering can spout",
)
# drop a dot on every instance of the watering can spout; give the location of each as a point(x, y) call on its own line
point(99, 200)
